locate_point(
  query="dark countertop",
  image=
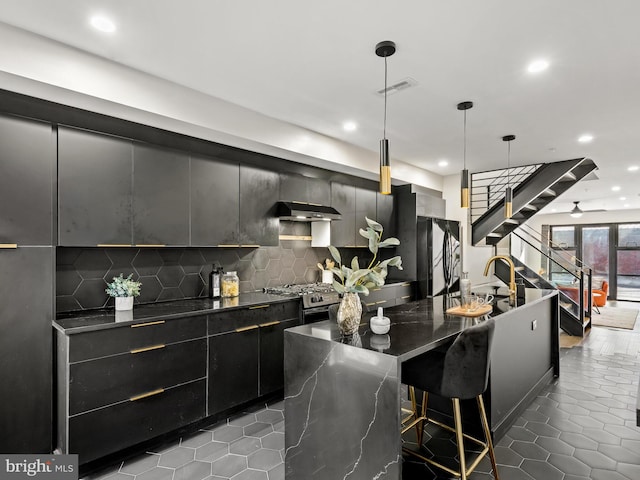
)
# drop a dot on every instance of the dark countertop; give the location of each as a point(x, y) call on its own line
point(85, 321)
point(416, 327)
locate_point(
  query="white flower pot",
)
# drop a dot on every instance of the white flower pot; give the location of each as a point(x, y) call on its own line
point(124, 303)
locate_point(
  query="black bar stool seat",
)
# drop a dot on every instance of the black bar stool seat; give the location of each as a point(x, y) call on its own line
point(460, 372)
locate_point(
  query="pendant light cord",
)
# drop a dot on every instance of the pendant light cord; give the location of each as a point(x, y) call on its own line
point(384, 129)
point(508, 163)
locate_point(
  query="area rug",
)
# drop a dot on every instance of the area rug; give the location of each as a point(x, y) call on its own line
point(615, 317)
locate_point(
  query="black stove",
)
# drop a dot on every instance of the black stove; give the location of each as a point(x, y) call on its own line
point(316, 298)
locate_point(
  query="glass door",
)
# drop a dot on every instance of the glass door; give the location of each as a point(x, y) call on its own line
point(628, 262)
point(595, 252)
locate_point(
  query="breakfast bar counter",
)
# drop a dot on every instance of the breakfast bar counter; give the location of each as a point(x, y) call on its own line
point(343, 394)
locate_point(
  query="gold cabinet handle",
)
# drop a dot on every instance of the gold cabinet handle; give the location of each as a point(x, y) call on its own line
point(270, 323)
point(109, 245)
point(148, 324)
point(258, 306)
point(381, 302)
point(8, 245)
point(370, 304)
point(146, 245)
point(228, 245)
point(146, 395)
point(147, 349)
point(244, 329)
point(405, 285)
point(405, 297)
point(250, 246)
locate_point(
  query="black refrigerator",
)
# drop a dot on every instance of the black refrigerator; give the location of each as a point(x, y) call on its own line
point(438, 256)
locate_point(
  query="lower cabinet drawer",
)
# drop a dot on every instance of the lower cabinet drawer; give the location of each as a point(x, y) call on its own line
point(98, 433)
point(101, 382)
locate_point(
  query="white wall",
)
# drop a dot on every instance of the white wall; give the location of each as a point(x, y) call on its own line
point(36, 66)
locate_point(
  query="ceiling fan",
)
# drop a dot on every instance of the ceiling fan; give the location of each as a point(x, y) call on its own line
point(577, 212)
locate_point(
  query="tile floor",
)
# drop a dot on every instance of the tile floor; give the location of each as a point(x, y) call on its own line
point(582, 427)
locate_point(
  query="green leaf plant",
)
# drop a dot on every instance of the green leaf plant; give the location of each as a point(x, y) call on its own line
point(123, 287)
point(354, 279)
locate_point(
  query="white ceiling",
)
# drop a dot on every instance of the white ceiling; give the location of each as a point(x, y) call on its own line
point(312, 63)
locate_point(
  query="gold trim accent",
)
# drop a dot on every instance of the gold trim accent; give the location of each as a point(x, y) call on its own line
point(408, 284)
point(244, 329)
point(8, 245)
point(228, 245)
point(147, 349)
point(146, 395)
point(148, 324)
point(405, 297)
point(269, 324)
point(114, 245)
point(464, 198)
point(249, 246)
point(295, 237)
point(299, 202)
point(385, 180)
point(258, 306)
point(146, 245)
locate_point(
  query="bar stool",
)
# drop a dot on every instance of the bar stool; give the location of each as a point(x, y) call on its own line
point(460, 372)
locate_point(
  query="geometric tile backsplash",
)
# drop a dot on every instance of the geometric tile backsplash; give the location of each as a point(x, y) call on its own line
point(176, 273)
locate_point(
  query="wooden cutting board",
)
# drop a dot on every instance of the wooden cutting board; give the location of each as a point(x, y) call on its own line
point(483, 310)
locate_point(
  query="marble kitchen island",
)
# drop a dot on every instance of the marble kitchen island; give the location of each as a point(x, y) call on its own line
point(343, 395)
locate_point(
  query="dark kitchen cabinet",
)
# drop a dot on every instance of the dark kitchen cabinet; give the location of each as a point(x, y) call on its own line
point(354, 204)
point(365, 207)
point(385, 214)
point(298, 188)
point(233, 368)
point(128, 384)
point(160, 196)
point(246, 353)
point(343, 199)
point(27, 157)
point(272, 355)
point(388, 295)
point(259, 191)
point(95, 175)
point(215, 202)
point(26, 296)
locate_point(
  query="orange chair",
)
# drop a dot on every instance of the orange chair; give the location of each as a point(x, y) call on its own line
point(601, 300)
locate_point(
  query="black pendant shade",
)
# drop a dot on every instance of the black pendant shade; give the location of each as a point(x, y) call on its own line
point(464, 175)
point(508, 195)
point(385, 49)
point(576, 212)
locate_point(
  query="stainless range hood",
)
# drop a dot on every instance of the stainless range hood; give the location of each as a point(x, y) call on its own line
point(306, 212)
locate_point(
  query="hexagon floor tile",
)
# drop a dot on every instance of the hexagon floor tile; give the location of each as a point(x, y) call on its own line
point(251, 446)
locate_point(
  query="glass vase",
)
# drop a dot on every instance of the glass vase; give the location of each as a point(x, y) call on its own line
point(349, 314)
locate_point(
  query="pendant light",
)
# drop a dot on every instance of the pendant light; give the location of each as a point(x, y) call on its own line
point(385, 49)
point(464, 176)
point(508, 196)
point(576, 212)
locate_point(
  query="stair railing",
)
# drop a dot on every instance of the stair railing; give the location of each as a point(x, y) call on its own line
point(488, 188)
point(582, 274)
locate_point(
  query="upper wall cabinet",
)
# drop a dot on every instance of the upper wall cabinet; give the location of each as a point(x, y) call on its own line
point(160, 196)
point(385, 214)
point(27, 159)
point(215, 202)
point(259, 191)
point(298, 188)
point(354, 204)
point(95, 175)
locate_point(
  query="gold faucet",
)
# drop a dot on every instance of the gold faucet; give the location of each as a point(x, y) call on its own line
point(512, 276)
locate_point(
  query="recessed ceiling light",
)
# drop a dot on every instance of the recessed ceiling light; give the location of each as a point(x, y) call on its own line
point(626, 205)
point(554, 209)
point(103, 24)
point(586, 138)
point(623, 198)
point(443, 163)
point(350, 126)
point(633, 168)
point(538, 66)
point(615, 188)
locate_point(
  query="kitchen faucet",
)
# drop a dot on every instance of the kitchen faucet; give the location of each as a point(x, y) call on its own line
point(512, 276)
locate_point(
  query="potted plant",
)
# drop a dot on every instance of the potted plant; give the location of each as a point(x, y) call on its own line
point(124, 290)
point(352, 280)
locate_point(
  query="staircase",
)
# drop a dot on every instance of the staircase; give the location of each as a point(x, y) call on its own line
point(534, 186)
